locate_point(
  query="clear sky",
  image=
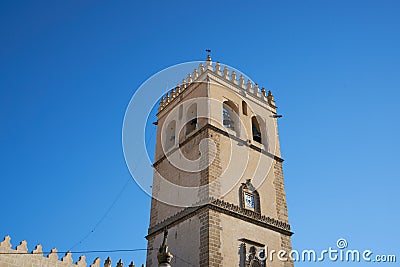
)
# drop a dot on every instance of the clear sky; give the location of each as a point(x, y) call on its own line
point(69, 68)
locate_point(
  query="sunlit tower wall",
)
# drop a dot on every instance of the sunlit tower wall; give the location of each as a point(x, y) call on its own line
point(218, 185)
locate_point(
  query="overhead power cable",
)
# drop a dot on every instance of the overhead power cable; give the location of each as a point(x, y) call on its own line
point(112, 204)
point(77, 252)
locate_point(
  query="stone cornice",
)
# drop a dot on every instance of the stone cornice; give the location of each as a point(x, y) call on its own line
point(251, 216)
point(225, 208)
point(221, 131)
point(251, 242)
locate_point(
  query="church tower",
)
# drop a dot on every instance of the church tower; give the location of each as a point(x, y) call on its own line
point(218, 186)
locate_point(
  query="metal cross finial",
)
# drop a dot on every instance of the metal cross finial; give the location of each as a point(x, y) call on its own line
point(209, 54)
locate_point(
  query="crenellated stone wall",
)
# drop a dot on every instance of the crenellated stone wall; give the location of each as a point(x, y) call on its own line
point(248, 86)
point(21, 257)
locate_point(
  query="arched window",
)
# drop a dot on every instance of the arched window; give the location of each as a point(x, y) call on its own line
point(192, 123)
point(229, 115)
point(255, 127)
point(228, 122)
point(170, 135)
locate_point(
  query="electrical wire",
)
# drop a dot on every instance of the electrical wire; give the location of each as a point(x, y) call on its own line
point(112, 204)
point(188, 263)
point(77, 252)
point(103, 217)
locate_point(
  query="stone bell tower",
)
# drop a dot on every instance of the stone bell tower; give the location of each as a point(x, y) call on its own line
point(218, 186)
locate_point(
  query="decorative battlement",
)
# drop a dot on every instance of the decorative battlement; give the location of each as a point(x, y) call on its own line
point(231, 76)
point(20, 257)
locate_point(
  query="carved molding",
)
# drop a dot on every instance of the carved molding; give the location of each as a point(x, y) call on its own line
point(226, 208)
point(223, 132)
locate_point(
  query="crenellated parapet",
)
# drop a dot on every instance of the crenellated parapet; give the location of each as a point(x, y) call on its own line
point(21, 257)
point(245, 85)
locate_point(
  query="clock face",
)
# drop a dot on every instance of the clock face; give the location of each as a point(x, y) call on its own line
point(249, 200)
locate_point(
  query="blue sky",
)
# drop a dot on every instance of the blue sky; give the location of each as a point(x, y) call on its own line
point(69, 68)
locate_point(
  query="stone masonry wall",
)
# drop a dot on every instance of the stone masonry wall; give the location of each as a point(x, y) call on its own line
point(210, 239)
point(281, 207)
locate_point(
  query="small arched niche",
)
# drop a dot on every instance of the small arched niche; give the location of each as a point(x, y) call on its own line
point(244, 108)
point(170, 135)
point(256, 130)
point(191, 117)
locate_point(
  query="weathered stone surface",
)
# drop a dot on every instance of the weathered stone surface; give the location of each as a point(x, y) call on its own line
point(211, 232)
